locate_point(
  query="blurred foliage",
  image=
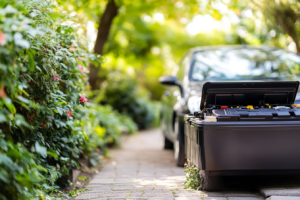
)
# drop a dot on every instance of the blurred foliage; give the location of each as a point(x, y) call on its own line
point(123, 94)
point(18, 171)
point(40, 85)
point(147, 39)
point(193, 179)
point(103, 126)
point(150, 50)
point(173, 9)
point(274, 22)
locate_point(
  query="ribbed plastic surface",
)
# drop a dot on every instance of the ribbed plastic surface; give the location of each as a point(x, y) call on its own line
point(192, 147)
point(236, 146)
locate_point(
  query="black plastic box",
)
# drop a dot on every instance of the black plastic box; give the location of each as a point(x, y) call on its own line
point(266, 142)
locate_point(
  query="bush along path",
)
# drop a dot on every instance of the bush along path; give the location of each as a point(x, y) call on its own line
point(46, 123)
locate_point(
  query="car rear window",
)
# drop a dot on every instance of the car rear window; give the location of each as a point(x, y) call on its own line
point(245, 63)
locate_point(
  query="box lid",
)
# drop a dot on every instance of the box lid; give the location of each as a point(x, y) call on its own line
point(248, 93)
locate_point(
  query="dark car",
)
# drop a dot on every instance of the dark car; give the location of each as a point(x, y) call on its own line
point(217, 64)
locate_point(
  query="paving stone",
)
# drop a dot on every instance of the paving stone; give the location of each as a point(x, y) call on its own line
point(283, 198)
point(102, 194)
point(199, 198)
point(109, 199)
point(99, 190)
point(136, 198)
point(281, 192)
point(229, 194)
point(150, 198)
point(199, 195)
point(245, 198)
point(152, 195)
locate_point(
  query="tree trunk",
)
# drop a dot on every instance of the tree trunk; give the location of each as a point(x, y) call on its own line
point(109, 14)
point(287, 18)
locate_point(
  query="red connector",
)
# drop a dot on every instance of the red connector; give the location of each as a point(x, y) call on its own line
point(224, 107)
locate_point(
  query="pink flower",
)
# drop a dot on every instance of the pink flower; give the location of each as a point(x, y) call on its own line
point(55, 77)
point(69, 113)
point(83, 99)
point(79, 58)
point(56, 48)
point(81, 69)
point(72, 49)
point(2, 38)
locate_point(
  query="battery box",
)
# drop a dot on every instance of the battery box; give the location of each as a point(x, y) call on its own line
point(245, 128)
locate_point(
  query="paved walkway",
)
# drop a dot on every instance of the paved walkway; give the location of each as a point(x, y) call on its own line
point(142, 170)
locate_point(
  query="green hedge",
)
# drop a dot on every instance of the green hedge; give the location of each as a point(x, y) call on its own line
point(123, 93)
point(43, 72)
point(103, 126)
point(46, 123)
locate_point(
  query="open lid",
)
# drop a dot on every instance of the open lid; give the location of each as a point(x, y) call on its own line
point(248, 93)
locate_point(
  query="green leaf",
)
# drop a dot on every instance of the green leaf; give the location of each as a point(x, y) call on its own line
point(38, 68)
point(19, 41)
point(20, 120)
point(4, 159)
point(4, 179)
point(9, 105)
point(82, 178)
point(2, 118)
point(40, 168)
point(30, 61)
point(60, 110)
point(24, 100)
point(10, 9)
point(3, 145)
point(52, 154)
point(40, 149)
point(64, 159)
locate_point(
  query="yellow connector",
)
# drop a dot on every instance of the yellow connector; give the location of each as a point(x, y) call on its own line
point(237, 107)
point(250, 107)
point(296, 105)
point(268, 105)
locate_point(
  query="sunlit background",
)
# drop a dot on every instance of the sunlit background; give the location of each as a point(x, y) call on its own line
point(147, 39)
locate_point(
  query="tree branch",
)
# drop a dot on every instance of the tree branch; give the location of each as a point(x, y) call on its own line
point(287, 19)
point(111, 11)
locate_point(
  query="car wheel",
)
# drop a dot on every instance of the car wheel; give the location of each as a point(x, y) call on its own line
point(168, 144)
point(210, 183)
point(179, 154)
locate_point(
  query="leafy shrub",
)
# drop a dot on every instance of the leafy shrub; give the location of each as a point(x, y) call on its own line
point(123, 94)
point(103, 126)
point(18, 170)
point(42, 71)
point(193, 180)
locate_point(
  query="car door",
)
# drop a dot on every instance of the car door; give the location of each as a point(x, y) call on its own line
point(171, 97)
